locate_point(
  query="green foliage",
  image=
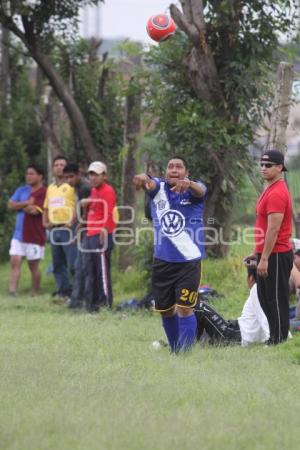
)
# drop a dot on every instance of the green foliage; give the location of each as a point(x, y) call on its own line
point(244, 42)
point(245, 200)
point(214, 137)
point(23, 114)
point(20, 143)
point(190, 128)
point(13, 162)
point(293, 163)
point(143, 254)
point(97, 89)
point(129, 49)
point(46, 19)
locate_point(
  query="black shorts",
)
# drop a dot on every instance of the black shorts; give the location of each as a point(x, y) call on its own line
point(175, 284)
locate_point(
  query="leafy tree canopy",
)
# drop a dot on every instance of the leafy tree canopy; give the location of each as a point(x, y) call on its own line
point(244, 37)
point(208, 88)
point(46, 18)
point(97, 87)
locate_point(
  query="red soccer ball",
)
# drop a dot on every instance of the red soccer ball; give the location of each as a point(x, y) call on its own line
point(160, 27)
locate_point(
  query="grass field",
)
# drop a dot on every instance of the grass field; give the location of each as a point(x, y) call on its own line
point(89, 382)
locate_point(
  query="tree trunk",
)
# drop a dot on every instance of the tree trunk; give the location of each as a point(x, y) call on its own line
point(5, 75)
point(218, 217)
point(131, 137)
point(74, 113)
point(280, 117)
point(201, 68)
point(203, 77)
point(281, 107)
point(48, 122)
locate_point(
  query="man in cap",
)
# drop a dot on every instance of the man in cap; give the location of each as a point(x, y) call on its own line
point(98, 242)
point(273, 249)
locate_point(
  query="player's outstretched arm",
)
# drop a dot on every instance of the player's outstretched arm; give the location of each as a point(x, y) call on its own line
point(197, 189)
point(143, 181)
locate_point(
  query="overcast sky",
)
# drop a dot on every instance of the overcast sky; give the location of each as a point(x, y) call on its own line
point(123, 18)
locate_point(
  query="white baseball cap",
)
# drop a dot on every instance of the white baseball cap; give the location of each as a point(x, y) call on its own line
point(98, 167)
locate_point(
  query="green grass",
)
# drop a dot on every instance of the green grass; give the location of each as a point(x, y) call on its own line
point(89, 382)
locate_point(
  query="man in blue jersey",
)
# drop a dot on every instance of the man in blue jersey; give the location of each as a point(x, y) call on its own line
point(18, 202)
point(177, 206)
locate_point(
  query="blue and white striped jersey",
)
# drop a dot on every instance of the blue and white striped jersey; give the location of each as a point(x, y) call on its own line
point(178, 224)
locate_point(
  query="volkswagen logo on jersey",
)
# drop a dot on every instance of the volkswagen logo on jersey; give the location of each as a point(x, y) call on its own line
point(172, 222)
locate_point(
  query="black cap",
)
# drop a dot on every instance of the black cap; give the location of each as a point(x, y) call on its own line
point(274, 156)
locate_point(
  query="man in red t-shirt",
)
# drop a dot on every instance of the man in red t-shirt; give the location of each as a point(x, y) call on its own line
point(98, 242)
point(34, 235)
point(273, 250)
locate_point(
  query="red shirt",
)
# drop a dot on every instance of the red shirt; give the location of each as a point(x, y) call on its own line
point(275, 199)
point(33, 230)
point(101, 208)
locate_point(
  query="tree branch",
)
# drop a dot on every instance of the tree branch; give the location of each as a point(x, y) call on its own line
point(184, 25)
point(187, 11)
point(218, 162)
point(29, 29)
point(103, 78)
point(8, 23)
point(95, 44)
point(198, 16)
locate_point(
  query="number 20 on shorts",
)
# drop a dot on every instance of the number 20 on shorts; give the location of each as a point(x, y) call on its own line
point(188, 296)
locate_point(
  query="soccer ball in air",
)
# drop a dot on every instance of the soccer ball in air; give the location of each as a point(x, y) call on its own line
point(160, 27)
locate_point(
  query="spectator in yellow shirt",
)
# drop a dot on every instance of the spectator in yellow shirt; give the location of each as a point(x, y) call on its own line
point(58, 217)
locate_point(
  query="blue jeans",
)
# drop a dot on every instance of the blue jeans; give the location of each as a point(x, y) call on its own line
point(63, 259)
point(78, 282)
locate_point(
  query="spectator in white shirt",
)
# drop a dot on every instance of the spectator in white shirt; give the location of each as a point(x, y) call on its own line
point(251, 327)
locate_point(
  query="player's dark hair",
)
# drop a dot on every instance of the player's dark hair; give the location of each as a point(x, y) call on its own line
point(181, 159)
point(71, 167)
point(59, 157)
point(252, 272)
point(36, 168)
